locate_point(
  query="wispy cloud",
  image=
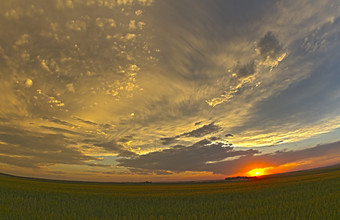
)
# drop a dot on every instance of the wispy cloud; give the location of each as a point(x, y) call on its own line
point(200, 132)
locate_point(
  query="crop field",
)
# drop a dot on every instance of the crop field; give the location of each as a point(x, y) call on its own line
point(313, 194)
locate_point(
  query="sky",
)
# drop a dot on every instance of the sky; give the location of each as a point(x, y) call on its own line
point(162, 90)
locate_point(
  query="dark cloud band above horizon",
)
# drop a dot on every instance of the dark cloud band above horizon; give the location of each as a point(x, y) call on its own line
point(219, 159)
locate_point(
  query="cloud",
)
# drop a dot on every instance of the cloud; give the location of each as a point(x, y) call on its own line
point(196, 133)
point(180, 158)
point(169, 140)
point(110, 147)
point(59, 122)
point(25, 148)
point(214, 138)
point(128, 77)
point(270, 50)
point(319, 39)
point(220, 159)
point(246, 69)
point(126, 139)
point(86, 121)
point(269, 54)
point(203, 131)
point(320, 155)
point(61, 130)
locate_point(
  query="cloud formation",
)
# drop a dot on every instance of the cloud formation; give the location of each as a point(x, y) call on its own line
point(85, 84)
point(306, 157)
point(221, 159)
point(196, 133)
point(269, 54)
point(24, 148)
point(181, 158)
point(270, 50)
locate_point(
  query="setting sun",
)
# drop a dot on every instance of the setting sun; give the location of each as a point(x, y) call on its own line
point(257, 172)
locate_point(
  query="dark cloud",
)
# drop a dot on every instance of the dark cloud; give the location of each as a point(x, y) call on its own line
point(86, 121)
point(125, 139)
point(229, 135)
point(4, 120)
point(205, 156)
point(126, 153)
point(58, 172)
point(197, 133)
point(214, 138)
point(91, 123)
point(203, 131)
point(111, 146)
point(246, 69)
point(21, 161)
point(182, 158)
point(169, 140)
point(60, 122)
point(98, 165)
point(269, 48)
point(60, 130)
point(277, 158)
point(33, 149)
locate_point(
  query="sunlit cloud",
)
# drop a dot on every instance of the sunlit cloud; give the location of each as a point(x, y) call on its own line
point(135, 81)
point(288, 132)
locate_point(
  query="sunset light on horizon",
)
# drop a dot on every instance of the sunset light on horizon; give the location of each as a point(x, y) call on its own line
point(163, 90)
point(257, 172)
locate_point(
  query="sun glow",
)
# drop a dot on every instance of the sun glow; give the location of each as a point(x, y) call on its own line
point(257, 172)
point(268, 169)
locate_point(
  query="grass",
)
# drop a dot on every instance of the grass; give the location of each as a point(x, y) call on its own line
point(313, 194)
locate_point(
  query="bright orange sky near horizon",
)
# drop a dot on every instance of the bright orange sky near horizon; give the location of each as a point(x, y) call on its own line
point(161, 90)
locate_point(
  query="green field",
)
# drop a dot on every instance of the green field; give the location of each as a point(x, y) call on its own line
point(313, 194)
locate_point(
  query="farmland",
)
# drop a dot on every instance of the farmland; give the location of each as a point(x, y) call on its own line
point(313, 194)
